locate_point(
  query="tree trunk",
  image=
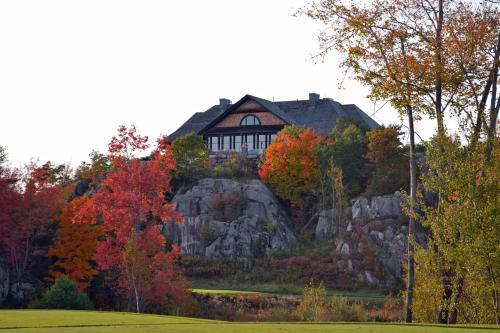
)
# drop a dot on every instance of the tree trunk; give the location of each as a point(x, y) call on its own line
point(494, 298)
point(457, 294)
point(439, 71)
point(490, 138)
point(484, 97)
point(136, 300)
point(411, 223)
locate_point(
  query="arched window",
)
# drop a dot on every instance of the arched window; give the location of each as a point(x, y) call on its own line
point(250, 121)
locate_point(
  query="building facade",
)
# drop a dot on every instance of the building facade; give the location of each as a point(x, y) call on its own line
point(252, 123)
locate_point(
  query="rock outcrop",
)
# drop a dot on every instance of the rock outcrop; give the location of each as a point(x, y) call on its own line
point(229, 219)
point(373, 227)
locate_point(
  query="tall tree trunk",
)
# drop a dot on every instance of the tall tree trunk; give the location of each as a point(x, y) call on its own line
point(411, 224)
point(136, 294)
point(457, 294)
point(494, 105)
point(439, 70)
point(494, 298)
point(484, 97)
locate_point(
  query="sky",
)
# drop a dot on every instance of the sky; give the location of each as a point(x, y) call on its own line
point(71, 72)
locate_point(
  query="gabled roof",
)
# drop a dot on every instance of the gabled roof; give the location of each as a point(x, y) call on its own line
point(320, 115)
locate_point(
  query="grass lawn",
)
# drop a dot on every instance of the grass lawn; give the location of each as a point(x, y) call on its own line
point(39, 321)
point(227, 292)
point(230, 289)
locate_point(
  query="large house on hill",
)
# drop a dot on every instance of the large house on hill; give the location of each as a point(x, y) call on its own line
point(253, 122)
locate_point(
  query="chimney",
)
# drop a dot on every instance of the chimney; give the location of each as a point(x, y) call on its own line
point(313, 98)
point(224, 103)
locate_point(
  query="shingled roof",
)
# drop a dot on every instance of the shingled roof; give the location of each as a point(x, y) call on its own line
point(320, 114)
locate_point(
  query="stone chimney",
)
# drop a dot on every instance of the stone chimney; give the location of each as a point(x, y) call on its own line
point(224, 103)
point(313, 98)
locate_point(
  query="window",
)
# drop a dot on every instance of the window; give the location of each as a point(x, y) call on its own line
point(237, 143)
point(214, 143)
point(226, 143)
point(250, 121)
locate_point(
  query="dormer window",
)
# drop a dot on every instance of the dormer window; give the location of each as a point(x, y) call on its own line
point(250, 121)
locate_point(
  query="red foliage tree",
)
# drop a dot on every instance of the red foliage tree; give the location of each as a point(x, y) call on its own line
point(130, 206)
point(74, 247)
point(9, 202)
point(32, 204)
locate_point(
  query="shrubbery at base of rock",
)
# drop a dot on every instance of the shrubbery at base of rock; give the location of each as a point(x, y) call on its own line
point(63, 294)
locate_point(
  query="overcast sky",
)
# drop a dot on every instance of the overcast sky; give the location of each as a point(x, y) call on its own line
point(72, 71)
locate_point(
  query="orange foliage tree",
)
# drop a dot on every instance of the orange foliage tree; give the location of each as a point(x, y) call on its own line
point(290, 165)
point(130, 206)
point(74, 247)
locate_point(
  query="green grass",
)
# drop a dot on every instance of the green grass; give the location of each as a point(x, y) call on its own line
point(45, 321)
point(273, 289)
point(226, 292)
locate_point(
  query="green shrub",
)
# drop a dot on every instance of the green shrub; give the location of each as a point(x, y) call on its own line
point(63, 294)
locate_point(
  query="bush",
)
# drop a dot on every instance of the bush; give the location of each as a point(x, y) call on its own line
point(63, 294)
point(343, 310)
point(316, 306)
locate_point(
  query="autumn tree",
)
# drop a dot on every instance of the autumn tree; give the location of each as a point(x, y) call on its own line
point(9, 201)
point(74, 247)
point(130, 207)
point(191, 159)
point(35, 199)
point(387, 155)
point(465, 231)
point(381, 55)
point(290, 165)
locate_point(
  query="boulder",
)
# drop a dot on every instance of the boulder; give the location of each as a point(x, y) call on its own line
point(228, 219)
point(386, 206)
point(360, 209)
point(324, 226)
point(379, 207)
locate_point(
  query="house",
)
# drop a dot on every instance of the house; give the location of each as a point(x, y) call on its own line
point(253, 122)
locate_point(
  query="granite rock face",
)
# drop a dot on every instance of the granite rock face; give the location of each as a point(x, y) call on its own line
point(225, 218)
point(370, 227)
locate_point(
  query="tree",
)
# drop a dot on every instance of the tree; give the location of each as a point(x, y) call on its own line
point(130, 207)
point(63, 294)
point(387, 155)
point(191, 158)
point(382, 55)
point(346, 150)
point(290, 165)
point(35, 199)
point(465, 230)
point(95, 170)
point(3, 156)
point(74, 247)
